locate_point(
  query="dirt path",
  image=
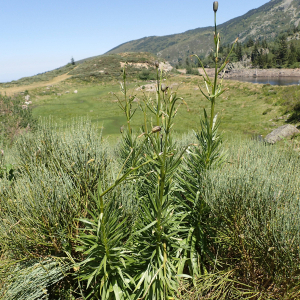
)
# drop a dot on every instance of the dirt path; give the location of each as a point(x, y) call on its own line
point(13, 90)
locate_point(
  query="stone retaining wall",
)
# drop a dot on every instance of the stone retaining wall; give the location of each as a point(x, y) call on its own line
point(234, 73)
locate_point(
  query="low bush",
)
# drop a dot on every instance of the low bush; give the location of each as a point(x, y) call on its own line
point(295, 115)
point(50, 192)
point(147, 75)
point(266, 111)
point(192, 71)
point(15, 118)
point(255, 202)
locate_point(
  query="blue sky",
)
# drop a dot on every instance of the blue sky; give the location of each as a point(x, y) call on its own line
point(39, 36)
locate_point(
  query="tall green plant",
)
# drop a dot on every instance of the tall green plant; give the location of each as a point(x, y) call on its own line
point(102, 242)
point(102, 239)
point(209, 152)
point(160, 221)
point(168, 239)
point(201, 157)
point(152, 159)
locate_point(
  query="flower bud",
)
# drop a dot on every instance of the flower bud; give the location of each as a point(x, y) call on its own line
point(163, 87)
point(156, 64)
point(215, 6)
point(156, 129)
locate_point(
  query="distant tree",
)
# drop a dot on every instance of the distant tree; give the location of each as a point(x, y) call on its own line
point(179, 61)
point(292, 56)
point(239, 51)
point(187, 62)
point(260, 59)
point(264, 44)
point(254, 55)
point(298, 54)
point(250, 42)
point(293, 48)
point(295, 28)
point(282, 52)
point(72, 61)
point(269, 61)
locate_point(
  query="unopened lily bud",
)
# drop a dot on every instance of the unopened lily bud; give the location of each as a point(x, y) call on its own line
point(156, 129)
point(164, 87)
point(215, 6)
point(156, 64)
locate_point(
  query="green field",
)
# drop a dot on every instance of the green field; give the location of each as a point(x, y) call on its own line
point(245, 109)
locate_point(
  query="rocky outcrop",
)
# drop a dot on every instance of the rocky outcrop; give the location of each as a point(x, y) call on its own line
point(280, 133)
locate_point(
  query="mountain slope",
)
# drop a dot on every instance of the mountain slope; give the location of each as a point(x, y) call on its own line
point(266, 21)
point(92, 69)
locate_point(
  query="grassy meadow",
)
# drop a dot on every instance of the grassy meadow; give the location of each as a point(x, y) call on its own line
point(245, 109)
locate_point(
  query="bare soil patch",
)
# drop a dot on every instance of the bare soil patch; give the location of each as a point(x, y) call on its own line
point(14, 90)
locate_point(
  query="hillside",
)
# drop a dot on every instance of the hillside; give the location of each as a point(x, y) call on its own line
point(98, 68)
point(266, 21)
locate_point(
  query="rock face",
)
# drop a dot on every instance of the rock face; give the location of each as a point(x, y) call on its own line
point(280, 133)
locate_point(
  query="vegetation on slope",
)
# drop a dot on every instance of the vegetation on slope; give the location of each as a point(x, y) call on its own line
point(283, 52)
point(97, 69)
point(43, 77)
point(15, 117)
point(265, 22)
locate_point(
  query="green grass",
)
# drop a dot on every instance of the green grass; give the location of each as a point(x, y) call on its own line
point(95, 103)
point(242, 108)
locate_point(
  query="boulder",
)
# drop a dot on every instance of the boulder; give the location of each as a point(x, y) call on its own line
point(280, 133)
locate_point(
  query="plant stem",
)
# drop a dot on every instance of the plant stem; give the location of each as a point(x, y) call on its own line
point(213, 99)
